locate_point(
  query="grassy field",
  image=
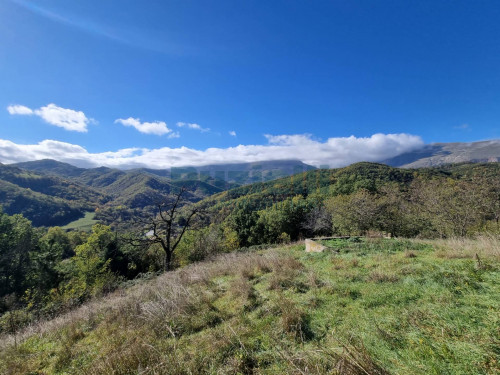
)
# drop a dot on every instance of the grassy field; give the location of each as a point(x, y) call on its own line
point(85, 223)
point(379, 306)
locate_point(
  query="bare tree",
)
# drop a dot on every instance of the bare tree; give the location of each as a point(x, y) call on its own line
point(167, 226)
point(318, 221)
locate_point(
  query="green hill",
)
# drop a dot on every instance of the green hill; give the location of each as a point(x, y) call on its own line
point(95, 177)
point(328, 181)
point(218, 174)
point(70, 191)
point(51, 185)
point(45, 200)
point(332, 182)
point(374, 307)
point(41, 209)
point(138, 190)
point(53, 167)
point(122, 195)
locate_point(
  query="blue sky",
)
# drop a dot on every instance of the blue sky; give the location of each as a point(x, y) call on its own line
point(107, 82)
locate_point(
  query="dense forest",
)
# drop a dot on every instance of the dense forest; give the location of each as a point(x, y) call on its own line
point(437, 202)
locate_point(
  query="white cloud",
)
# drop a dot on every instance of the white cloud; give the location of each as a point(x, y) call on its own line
point(19, 110)
point(65, 118)
point(232, 133)
point(334, 152)
point(156, 127)
point(174, 135)
point(192, 126)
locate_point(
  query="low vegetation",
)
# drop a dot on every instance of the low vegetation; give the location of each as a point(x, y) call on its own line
point(372, 306)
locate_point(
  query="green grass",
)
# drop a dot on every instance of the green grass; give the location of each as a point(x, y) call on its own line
point(85, 223)
point(378, 307)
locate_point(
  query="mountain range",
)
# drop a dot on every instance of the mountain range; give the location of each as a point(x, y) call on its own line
point(49, 192)
point(436, 154)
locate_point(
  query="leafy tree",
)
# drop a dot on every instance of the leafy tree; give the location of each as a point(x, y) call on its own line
point(286, 217)
point(356, 213)
point(318, 222)
point(454, 207)
point(491, 190)
point(45, 273)
point(242, 221)
point(199, 244)
point(17, 240)
point(397, 212)
point(89, 269)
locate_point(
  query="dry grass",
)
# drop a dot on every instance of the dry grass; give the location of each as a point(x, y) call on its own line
point(341, 264)
point(354, 262)
point(313, 280)
point(294, 320)
point(346, 359)
point(169, 295)
point(285, 273)
point(382, 277)
point(410, 254)
point(486, 246)
point(355, 360)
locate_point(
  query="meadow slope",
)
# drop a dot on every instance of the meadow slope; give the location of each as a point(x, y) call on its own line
point(373, 306)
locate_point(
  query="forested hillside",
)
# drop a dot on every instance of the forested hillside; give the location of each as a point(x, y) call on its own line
point(52, 193)
point(118, 197)
point(431, 202)
point(46, 200)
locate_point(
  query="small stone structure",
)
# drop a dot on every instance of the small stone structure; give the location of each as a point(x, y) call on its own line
point(314, 247)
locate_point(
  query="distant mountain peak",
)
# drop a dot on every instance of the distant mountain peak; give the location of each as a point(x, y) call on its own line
point(436, 154)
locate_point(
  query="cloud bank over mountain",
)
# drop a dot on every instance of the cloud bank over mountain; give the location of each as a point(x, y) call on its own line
point(334, 152)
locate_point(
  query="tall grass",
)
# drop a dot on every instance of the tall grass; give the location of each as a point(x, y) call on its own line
point(485, 245)
point(377, 307)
